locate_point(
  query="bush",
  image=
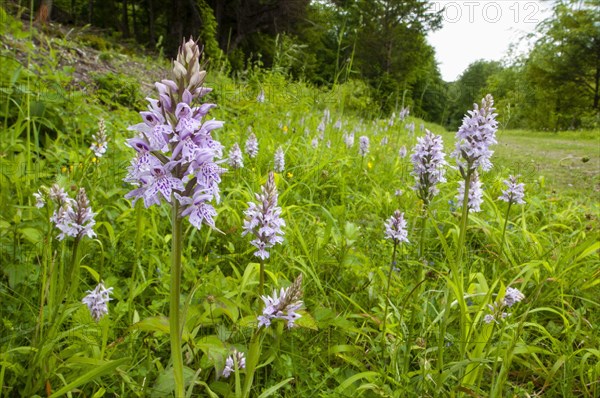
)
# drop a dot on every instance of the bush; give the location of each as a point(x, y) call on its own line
point(117, 90)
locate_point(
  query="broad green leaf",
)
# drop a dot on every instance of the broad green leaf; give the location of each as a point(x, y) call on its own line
point(32, 235)
point(306, 321)
point(165, 383)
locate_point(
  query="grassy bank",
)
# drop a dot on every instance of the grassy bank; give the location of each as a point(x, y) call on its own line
point(378, 318)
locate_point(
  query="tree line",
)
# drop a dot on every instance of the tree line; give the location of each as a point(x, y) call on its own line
point(556, 86)
point(382, 43)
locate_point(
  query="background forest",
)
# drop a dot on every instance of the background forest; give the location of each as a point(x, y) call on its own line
point(379, 45)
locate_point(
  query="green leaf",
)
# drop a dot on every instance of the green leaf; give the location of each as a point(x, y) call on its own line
point(588, 250)
point(210, 392)
point(106, 368)
point(307, 321)
point(165, 383)
point(227, 307)
point(271, 390)
point(352, 379)
point(211, 345)
point(93, 272)
point(32, 235)
point(153, 324)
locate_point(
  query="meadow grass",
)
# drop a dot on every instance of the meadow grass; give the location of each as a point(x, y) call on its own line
point(418, 330)
point(568, 161)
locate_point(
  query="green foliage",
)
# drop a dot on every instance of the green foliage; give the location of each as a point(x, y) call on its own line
point(471, 86)
point(555, 87)
point(96, 42)
point(208, 34)
point(334, 203)
point(117, 90)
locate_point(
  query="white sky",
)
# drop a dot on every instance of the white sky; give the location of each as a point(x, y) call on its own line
point(481, 29)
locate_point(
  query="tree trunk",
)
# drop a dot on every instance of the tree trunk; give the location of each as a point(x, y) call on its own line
point(176, 28)
point(151, 23)
point(134, 19)
point(44, 12)
point(221, 36)
point(90, 11)
point(125, 20)
point(596, 88)
point(73, 13)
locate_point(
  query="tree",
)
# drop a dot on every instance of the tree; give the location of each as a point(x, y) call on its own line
point(564, 67)
point(44, 12)
point(471, 86)
point(392, 43)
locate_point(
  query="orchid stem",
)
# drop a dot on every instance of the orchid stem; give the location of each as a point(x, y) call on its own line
point(174, 318)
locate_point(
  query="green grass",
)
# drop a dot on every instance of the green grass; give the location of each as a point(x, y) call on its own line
point(568, 161)
point(435, 342)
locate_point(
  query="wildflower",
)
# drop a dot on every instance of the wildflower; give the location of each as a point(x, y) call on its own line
point(252, 146)
point(497, 313)
point(474, 137)
point(285, 129)
point(363, 150)
point(198, 209)
point(321, 128)
point(100, 143)
point(236, 160)
point(410, 127)
point(512, 296)
point(58, 195)
point(428, 166)
point(283, 307)
point(391, 121)
point(349, 139)
point(514, 192)
point(279, 160)
point(338, 124)
point(475, 193)
point(384, 141)
point(314, 143)
point(97, 301)
point(398, 192)
point(326, 116)
point(264, 220)
point(39, 199)
point(404, 112)
point(402, 152)
point(261, 97)
point(236, 359)
point(395, 228)
point(73, 218)
point(176, 156)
